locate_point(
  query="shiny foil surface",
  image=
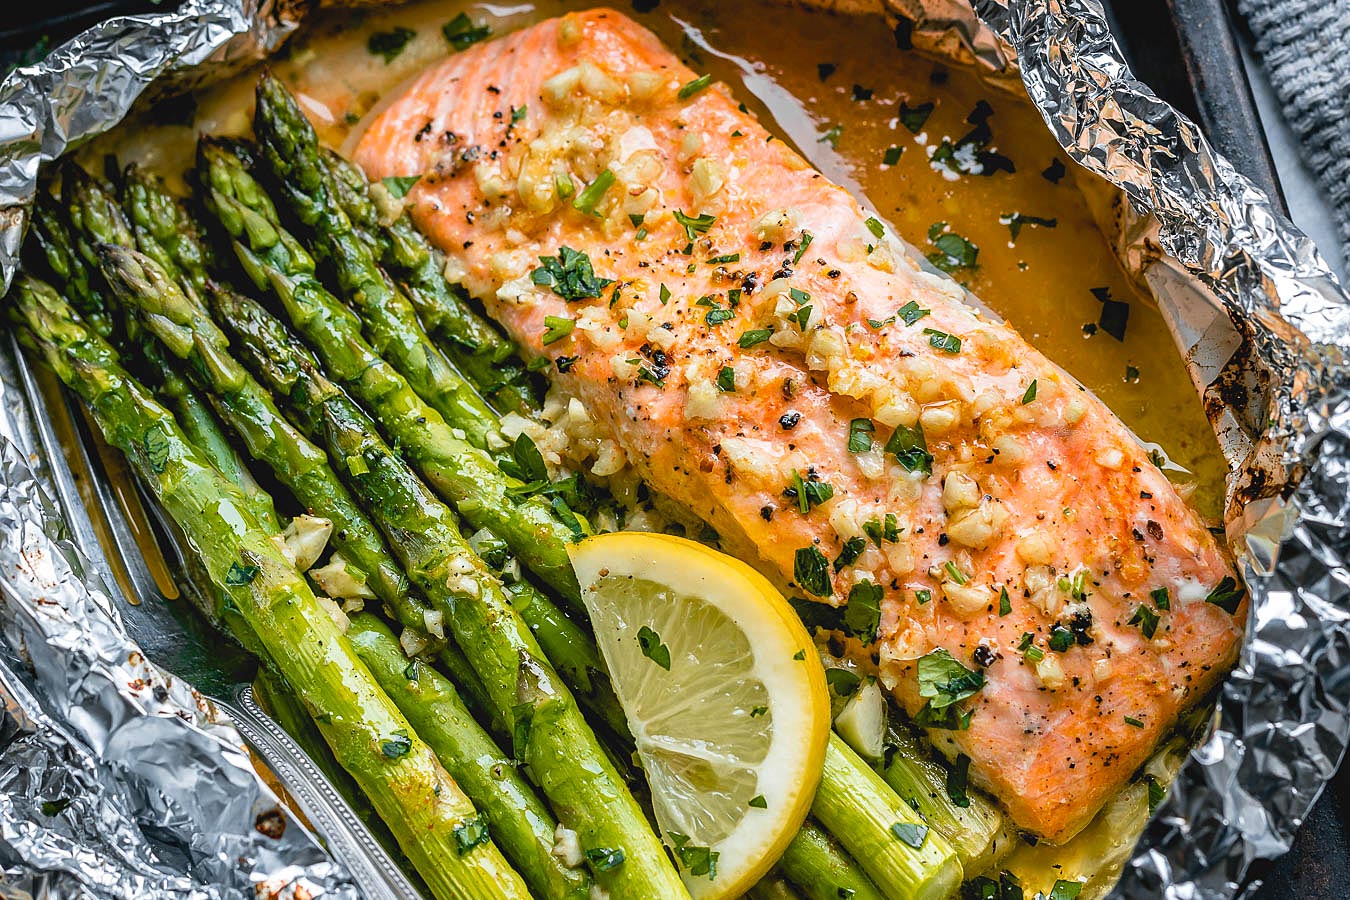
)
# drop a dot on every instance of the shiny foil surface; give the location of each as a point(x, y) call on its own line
point(1257, 314)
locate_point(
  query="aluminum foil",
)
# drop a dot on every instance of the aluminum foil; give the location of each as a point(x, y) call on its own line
point(1263, 324)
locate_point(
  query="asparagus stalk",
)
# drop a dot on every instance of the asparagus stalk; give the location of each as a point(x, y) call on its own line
point(164, 230)
point(474, 345)
point(95, 219)
point(548, 732)
point(521, 825)
point(773, 887)
point(821, 869)
point(973, 830)
point(881, 831)
point(457, 470)
point(247, 407)
point(52, 237)
point(434, 822)
point(270, 351)
point(290, 153)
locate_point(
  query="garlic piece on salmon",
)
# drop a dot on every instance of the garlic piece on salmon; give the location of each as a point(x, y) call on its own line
point(965, 599)
point(959, 491)
point(776, 226)
point(977, 528)
point(1049, 672)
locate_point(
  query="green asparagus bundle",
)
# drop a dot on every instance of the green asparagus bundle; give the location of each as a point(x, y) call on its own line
point(388, 318)
point(434, 822)
point(363, 567)
point(521, 825)
point(472, 343)
point(549, 734)
point(460, 472)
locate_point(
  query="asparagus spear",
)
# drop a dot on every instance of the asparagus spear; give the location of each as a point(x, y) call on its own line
point(164, 230)
point(521, 825)
point(434, 822)
point(290, 153)
point(525, 692)
point(52, 237)
point(473, 344)
point(773, 887)
point(892, 843)
point(95, 219)
point(460, 472)
point(247, 407)
point(270, 351)
point(821, 869)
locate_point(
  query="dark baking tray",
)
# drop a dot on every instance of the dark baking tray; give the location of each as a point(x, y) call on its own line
point(1188, 52)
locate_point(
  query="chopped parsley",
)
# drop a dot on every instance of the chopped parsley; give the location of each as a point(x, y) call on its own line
point(396, 745)
point(461, 32)
point(1115, 313)
point(652, 648)
point(1226, 595)
point(694, 225)
point(948, 343)
point(755, 336)
point(923, 596)
point(690, 88)
point(470, 833)
point(1030, 393)
point(953, 251)
point(841, 682)
point(718, 315)
point(1004, 602)
point(806, 239)
point(944, 681)
point(874, 225)
point(518, 113)
point(722, 260)
point(726, 379)
point(811, 570)
point(399, 185)
point(914, 117)
point(587, 200)
point(603, 859)
point(1156, 793)
point(156, 447)
point(1133, 722)
point(526, 462)
point(910, 449)
point(758, 711)
point(910, 834)
point(860, 435)
point(563, 183)
point(570, 275)
point(892, 155)
point(1065, 890)
point(695, 860)
point(1016, 220)
point(240, 575)
point(849, 552)
point(888, 531)
point(556, 328)
point(911, 313)
point(807, 492)
point(1061, 639)
point(831, 136)
point(958, 777)
point(1146, 619)
point(389, 44)
point(758, 802)
point(1161, 598)
point(862, 615)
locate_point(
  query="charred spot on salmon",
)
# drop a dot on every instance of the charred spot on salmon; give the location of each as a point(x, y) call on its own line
point(983, 656)
point(570, 275)
point(788, 420)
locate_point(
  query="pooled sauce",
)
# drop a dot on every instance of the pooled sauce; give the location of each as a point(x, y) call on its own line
point(965, 172)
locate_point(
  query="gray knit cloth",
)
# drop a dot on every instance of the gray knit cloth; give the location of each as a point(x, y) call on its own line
point(1305, 45)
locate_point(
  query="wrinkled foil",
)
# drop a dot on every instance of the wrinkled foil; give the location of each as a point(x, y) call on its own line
point(1261, 320)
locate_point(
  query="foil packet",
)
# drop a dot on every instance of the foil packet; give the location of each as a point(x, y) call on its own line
point(1257, 313)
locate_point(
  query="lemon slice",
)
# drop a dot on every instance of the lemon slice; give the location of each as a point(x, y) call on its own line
point(724, 694)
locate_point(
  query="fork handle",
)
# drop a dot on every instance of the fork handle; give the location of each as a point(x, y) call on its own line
point(345, 835)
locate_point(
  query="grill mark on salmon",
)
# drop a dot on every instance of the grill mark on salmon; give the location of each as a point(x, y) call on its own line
point(1046, 497)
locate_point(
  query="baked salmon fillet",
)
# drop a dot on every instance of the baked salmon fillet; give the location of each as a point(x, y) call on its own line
point(766, 354)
